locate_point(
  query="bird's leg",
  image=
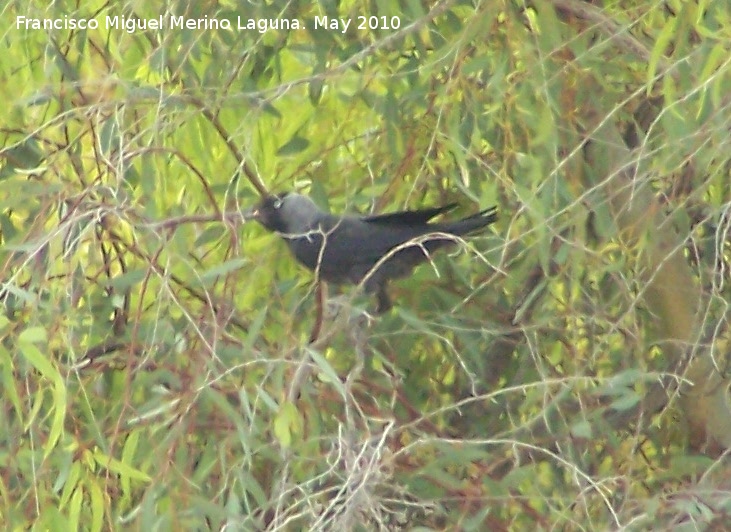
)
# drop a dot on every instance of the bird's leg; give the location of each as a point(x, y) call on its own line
point(320, 298)
point(384, 303)
point(376, 285)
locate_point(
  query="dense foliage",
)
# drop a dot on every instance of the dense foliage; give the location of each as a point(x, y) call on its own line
point(165, 365)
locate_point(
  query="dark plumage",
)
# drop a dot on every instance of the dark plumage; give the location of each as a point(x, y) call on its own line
point(368, 249)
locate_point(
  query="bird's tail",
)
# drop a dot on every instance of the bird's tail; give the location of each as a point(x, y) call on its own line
point(471, 224)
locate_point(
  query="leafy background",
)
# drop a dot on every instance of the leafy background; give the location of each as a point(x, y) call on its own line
point(166, 366)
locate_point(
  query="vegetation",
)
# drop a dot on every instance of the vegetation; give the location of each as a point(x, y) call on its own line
point(165, 365)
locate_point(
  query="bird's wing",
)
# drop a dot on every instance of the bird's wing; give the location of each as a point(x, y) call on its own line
point(358, 246)
point(421, 216)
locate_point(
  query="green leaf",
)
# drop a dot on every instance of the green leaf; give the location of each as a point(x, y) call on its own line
point(686, 466)
point(330, 373)
point(626, 401)
point(66, 69)
point(285, 423)
point(222, 269)
point(25, 156)
point(119, 467)
point(210, 235)
point(110, 139)
point(9, 386)
point(315, 90)
point(33, 335)
point(74, 510)
point(621, 381)
point(716, 59)
point(658, 51)
point(70, 486)
point(44, 366)
point(97, 507)
point(582, 429)
point(128, 455)
point(41, 97)
point(127, 280)
point(254, 330)
point(295, 145)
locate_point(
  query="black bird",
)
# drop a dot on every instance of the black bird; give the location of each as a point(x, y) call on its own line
point(362, 249)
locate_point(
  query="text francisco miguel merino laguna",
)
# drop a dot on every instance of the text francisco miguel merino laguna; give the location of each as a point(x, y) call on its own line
point(131, 25)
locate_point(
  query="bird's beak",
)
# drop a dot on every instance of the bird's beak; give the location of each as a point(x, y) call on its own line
point(250, 214)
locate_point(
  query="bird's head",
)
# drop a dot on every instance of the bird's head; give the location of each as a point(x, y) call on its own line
point(288, 213)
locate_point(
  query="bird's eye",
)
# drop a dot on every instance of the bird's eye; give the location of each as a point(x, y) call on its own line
point(277, 203)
